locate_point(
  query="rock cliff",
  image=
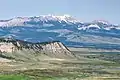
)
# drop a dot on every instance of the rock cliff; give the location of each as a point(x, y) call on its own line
point(22, 50)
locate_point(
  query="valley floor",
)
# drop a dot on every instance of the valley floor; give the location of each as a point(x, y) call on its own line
point(87, 64)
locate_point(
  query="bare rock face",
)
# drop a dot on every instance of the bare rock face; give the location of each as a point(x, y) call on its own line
point(56, 49)
point(17, 49)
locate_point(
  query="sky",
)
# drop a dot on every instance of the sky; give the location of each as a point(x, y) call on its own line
point(84, 10)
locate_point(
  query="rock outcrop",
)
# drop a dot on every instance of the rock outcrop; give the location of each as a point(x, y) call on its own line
point(17, 49)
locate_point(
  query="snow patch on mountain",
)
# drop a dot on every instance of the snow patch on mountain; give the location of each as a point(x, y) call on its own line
point(102, 21)
point(93, 26)
point(2, 23)
point(48, 25)
point(18, 21)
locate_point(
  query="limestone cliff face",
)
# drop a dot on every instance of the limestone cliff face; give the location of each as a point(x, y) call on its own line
point(52, 49)
point(56, 49)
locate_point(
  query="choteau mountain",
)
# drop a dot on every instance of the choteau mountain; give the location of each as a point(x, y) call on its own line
point(67, 29)
point(22, 50)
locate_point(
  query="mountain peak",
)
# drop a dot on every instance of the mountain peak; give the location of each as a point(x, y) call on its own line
point(19, 21)
point(102, 21)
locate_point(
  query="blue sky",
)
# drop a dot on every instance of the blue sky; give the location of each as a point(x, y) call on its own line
point(84, 10)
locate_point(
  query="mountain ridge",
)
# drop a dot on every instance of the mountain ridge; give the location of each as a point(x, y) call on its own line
point(66, 29)
point(65, 19)
point(53, 49)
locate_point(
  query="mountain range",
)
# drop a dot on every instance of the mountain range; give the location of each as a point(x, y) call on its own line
point(67, 29)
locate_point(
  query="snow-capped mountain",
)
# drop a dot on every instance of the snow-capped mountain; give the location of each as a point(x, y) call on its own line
point(51, 20)
point(67, 29)
point(39, 20)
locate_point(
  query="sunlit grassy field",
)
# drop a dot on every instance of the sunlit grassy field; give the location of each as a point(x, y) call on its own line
point(85, 66)
point(13, 77)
